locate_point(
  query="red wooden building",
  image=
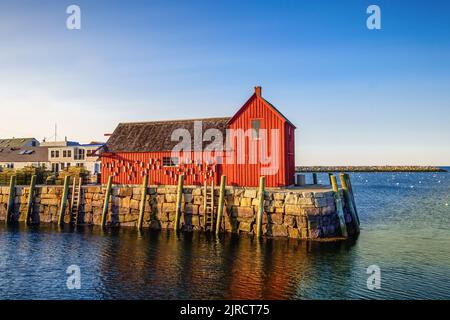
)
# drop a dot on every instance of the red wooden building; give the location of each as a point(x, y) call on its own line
point(257, 141)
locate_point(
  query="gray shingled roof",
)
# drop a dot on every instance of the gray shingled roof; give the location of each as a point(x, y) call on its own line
point(14, 142)
point(34, 154)
point(155, 136)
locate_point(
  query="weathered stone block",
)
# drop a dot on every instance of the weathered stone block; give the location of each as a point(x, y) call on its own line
point(160, 198)
point(198, 200)
point(279, 230)
point(306, 201)
point(291, 198)
point(168, 207)
point(171, 197)
point(293, 233)
point(245, 226)
point(250, 193)
point(243, 212)
point(134, 204)
point(293, 209)
point(50, 202)
point(320, 202)
point(279, 210)
point(276, 218)
point(246, 202)
point(290, 221)
point(278, 204)
point(125, 201)
point(279, 196)
point(311, 211)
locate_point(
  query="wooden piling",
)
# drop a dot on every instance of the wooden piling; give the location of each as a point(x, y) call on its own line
point(62, 209)
point(178, 204)
point(106, 202)
point(30, 199)
point(12, 194)
point(314, 175)
point(348, 201)
point(350, 188)
point(339, 208)
point(329, 177)
point(211, 227)
point(223, 182)
point(143, 200)
point(259, 215)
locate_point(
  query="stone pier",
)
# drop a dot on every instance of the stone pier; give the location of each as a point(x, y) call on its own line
point(303, 213)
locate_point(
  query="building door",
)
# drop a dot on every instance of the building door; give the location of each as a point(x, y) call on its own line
point(55, 167)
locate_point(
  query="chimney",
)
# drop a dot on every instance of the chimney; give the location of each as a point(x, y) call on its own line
point(258, 91)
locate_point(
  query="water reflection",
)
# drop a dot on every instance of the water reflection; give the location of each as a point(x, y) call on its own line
point(151, 265)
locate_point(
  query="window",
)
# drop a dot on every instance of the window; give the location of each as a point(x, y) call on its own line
point(256, 126)
point(79, 154)
point(54, 154)
point(67, 153)
point(170, 162)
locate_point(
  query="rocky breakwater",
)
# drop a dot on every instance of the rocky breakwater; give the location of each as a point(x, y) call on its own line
point(293, 213)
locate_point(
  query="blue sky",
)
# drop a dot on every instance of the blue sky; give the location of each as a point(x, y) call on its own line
point(357, 96)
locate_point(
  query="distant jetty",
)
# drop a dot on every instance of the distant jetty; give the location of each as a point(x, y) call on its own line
point(368, 169)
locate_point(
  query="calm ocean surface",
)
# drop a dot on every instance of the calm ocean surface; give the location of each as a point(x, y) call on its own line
point(405, 220)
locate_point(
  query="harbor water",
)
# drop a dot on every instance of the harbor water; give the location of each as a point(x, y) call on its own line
point(405, 231)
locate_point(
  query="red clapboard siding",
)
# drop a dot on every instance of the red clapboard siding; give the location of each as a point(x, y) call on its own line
point(130, 167)
point(249, 174)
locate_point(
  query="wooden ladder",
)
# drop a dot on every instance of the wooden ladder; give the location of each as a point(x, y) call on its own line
point(208, 206)
point(75, 202)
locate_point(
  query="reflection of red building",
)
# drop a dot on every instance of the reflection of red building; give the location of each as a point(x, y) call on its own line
point(260, 142)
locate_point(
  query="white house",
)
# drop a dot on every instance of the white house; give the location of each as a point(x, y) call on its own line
point(64, 154)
